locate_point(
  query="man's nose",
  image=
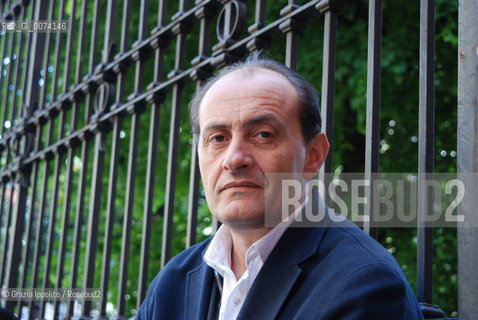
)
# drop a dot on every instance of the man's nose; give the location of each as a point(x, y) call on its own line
point(238, 156)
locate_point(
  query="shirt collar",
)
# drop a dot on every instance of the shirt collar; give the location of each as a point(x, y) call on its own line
point(218, 253)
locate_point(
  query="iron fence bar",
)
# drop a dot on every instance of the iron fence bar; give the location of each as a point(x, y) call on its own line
point(26, 111)
point(47, 157)
point(193, 197)
point(2, 204)
point(467, 234)
point(85, 147)
point(14, 224)
point(426, 131)
point(58, 160)
point(69, 48)
point(26, 262)
point(22, 111)
point(205, 15)
point(95, 29)
point(132, 160)
point(113, 172)
point(57, 57)
point(36, 48)
point(156, 102)
point(260, 16)
point(70, 158)
point(109, 47)
point(148, 204)
point(46, 56)
point(125, 30)
point(81, 42)
point(64, 225)
point(98, 167)
point(110, 211)
point(52, 221)
point(93, 217)
point(110, 30)
point(30, 224)
point(291, 28)
point(32, 97)
point(328, 86)
point(7, 84)
point(68, 170)
point(59, 156)
point(8, 146)
point(372, 135)
point(18, 222)
point(39, 230)
point(6, 237)
point(171, 176)
point(2, 68)
point(180, 32)
point(128, 213)
point(17, 71)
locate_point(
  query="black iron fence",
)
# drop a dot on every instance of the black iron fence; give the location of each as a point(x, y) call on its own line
point(71, 184)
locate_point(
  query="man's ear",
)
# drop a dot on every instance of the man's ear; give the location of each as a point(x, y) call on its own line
point(316, 151)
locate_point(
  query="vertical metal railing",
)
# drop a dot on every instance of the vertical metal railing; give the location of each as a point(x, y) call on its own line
point(53, 168)
point(328, 81)
point(180, 30)
point(372, 136)
point(467, 237)
point(426, 134)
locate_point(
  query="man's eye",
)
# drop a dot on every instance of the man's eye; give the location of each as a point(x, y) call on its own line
point(264, 135)
point(217, 139)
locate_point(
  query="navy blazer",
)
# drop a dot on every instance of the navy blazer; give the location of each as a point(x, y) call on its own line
point(333, 271)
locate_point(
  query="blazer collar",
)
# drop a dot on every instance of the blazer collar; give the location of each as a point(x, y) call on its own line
point(200, 284)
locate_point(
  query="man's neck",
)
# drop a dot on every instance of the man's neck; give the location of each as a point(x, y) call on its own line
point(241, 241)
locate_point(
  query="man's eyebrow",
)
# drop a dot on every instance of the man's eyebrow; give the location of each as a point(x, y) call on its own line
point(261, 119)
point(214, 126)
point(248, 124)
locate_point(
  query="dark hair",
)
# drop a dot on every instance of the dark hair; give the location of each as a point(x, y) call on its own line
point(310, 114)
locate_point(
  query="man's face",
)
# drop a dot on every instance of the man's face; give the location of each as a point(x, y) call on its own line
point(249, 127)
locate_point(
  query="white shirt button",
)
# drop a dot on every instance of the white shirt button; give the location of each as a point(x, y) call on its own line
point(236, 299)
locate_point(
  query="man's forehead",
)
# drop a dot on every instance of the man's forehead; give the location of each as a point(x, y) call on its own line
point(271, 81)
point(248, 73)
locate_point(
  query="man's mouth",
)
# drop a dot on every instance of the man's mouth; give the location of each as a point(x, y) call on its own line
point(240, 185)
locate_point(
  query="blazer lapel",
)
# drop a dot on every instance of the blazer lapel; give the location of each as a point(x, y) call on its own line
point(199, 286)
point(282, 269)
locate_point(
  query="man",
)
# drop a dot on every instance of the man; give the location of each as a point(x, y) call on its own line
point(256, 119)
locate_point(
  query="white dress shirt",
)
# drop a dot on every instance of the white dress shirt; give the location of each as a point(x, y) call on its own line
point(218, 257)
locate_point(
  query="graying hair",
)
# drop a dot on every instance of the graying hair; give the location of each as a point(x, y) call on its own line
point(310, 115)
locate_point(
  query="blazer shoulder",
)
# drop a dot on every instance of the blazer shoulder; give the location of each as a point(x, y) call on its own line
point(166, 293)
point(352, 243)
point(181, 264)
point(366, 275)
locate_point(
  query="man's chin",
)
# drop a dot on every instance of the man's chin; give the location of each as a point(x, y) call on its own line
point(245, 224)
point(242, 220)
